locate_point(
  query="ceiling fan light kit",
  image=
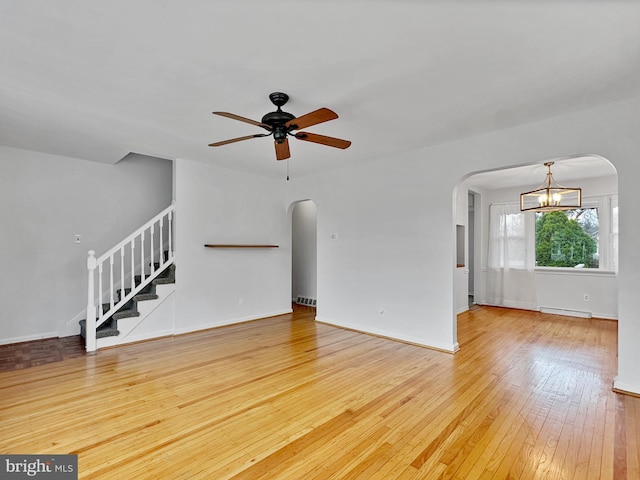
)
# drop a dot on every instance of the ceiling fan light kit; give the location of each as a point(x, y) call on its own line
point(283, 124)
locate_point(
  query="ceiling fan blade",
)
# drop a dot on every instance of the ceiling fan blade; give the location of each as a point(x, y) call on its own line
point(242, 119)
point(323, 139)
point(312, 118)
point(239, 139)
point(282, 149)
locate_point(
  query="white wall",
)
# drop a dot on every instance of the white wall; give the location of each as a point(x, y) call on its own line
point(376, 275)
point(461, 273)
point(46, 200)
point(396, 221)
point(221, 286)
point(304, 250)
point(563, 290)
point(471, 257)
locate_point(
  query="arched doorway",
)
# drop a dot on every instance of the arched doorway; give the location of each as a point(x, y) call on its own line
point(565, 290)
point(304, 256)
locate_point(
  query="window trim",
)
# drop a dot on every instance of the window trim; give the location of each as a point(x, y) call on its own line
point(574, 271)
point(606, 264)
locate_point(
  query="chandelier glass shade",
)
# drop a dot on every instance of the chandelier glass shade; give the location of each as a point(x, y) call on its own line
point(551, 196)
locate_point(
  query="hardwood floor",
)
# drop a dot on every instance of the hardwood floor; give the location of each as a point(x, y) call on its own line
point(527, 396)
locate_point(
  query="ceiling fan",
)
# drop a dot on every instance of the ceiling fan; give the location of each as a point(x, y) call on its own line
point(283, 124)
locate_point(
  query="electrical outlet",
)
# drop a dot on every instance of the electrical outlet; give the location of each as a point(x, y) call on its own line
point(241, 302)
point(78, 238)
point(380, 311)
point(586, 297)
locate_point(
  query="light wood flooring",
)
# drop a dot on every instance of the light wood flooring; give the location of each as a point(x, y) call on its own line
point(527, 396)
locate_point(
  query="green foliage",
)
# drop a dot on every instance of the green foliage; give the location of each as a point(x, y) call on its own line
point(562, 241)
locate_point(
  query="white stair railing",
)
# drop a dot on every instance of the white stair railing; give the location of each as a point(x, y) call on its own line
point(157, 235)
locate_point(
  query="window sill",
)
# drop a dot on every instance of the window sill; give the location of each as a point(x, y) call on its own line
point(574, 271)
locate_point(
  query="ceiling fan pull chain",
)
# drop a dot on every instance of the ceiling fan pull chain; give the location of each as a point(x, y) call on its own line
point(287, 169)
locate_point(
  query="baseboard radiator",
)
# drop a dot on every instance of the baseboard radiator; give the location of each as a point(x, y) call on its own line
point(566, 312)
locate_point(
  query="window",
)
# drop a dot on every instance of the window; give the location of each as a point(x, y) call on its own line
point(511, 245)
point(585, 238)
point(568, 238)
point(515, 240)
point(582, 238)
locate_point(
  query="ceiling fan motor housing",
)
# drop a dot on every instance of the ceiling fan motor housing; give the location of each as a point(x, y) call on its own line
point(277, 120)
point(279, 117)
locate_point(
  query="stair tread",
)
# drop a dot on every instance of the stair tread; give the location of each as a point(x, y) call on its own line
point(125, 313)
point(145, 296)
point(147, 293)
point(164, 280)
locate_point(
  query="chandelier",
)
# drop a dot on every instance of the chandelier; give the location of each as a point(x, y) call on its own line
point(551, 196)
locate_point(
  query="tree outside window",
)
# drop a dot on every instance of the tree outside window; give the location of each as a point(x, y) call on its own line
point(567, 238)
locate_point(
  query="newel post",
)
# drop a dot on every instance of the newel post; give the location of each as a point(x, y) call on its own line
point(90, 334)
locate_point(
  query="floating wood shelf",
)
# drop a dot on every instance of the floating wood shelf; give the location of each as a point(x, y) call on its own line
point(218, 245)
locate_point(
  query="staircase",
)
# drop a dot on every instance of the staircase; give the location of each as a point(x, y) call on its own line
point(128, 282)
point(130, 309)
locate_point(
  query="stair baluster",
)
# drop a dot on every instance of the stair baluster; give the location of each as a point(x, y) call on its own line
point(110, 281)
point(170, 250)
point(153, 264)
point(161, 241)
point(133, 265)
point(100, 289)
point(142, 256)
point(121, 267)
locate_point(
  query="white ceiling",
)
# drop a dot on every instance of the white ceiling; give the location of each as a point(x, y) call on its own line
point(564, 171)
point(99, 79)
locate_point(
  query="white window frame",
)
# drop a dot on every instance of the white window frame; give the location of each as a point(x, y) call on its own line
point(607, 236)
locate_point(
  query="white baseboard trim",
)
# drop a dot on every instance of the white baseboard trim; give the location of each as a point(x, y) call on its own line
point(421, 342)
point(566, 312)
point(627, 388)
point(231, 321)
point(117, 341)
point(511, 304)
